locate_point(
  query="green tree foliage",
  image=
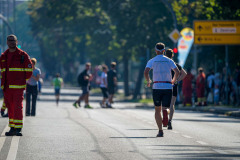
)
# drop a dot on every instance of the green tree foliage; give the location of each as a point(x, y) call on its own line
point(65, 29)
point(189, 10)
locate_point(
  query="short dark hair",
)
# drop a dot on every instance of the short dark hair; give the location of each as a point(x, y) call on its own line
point(104, 67)
point(200, 69)
point(12, 35)
point(160, 46)
point(169, 53)
point(113, 64)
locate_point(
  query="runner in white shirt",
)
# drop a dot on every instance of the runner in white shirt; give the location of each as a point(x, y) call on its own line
point(162, 79)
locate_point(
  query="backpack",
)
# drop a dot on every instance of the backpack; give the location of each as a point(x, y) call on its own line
point(80, 79)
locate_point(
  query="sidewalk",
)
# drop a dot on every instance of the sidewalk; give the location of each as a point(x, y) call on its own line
point(224, 110)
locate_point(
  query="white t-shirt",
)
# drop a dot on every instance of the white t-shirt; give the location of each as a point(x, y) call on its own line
point(161, 66)
point(103, 77)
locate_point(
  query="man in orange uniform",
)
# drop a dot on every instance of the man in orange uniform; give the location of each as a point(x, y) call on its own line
point(187, 88)
point(16, 68)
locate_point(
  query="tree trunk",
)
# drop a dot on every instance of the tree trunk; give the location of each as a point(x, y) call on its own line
point(125, 75)
point(138, 87)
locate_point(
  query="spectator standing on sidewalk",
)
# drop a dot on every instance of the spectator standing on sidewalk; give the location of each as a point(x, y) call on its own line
point(187, 88)
point(32, 90)
point(162, 79)
point(84, 79)
point(16, 68)
point(237, 79)
point(103, 86)
point(210, 87)
point(166, 122)
point(58, 84)
point(112, 83)
point(200, 87)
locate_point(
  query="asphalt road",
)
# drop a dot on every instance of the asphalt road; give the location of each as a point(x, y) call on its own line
point(125, 132)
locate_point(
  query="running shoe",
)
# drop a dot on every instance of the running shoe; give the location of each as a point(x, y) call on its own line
point(88, 106)
point(109, 105)
point(101, 105)
point(169, 124)
point(75, 105)
point(160, 133)
point(165, 118)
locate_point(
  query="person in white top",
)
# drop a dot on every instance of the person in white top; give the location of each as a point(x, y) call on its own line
point(103, 85)
point(162, 82)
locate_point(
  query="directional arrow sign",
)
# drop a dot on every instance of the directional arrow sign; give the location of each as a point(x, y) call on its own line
point(217, 32)
point(216, 39)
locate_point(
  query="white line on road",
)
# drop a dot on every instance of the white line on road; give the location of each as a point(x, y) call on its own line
point(175, 131)
point(201, 142)
point(13, 149)
point(220, 151)
point(186, 136)
point(2, 138)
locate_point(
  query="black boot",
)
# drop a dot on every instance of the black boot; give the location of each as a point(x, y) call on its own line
point(2, 113)
point(18, 131)
point(11, 132)
point(5, 115)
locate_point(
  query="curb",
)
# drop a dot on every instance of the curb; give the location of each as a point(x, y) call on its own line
point(231, 112)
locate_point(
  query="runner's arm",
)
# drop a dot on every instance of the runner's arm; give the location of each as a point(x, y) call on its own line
point(183, 74)
point(176, 71)
point(146, 75)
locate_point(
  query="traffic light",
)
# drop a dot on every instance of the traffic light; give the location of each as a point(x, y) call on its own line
point(175, 50)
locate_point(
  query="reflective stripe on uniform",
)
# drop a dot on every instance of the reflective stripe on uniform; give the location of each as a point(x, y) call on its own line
point(2, 86)
point(18, 126)
point(17, 86)
point(17, 121)
point(21, 69)
point(11, 125)
point(3, 69)
point(10, 120)
point(3, 60)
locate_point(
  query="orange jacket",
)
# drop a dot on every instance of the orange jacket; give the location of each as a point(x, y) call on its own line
point(16, 69)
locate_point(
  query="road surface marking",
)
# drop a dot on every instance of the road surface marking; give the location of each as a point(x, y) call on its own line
point(2, 138)
point(186, 136)
point(220, 151)
point(201, 142)
point(13, 148)
point(175, 131)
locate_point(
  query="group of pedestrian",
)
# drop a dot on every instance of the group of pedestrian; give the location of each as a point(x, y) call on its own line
point(213, 88)
point(108, 85)
point(108, 82)
point(165, 77)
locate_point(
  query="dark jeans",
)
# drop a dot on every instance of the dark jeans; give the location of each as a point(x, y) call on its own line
point(31, 91)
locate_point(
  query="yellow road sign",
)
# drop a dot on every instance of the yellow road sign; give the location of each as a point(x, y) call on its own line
point(217, 39)
point(217, 32)
point(217, 27)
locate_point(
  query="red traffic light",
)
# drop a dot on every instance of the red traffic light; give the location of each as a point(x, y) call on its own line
point(175, 50)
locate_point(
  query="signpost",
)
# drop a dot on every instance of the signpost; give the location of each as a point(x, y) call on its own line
point(217, 33)
point(174, 35)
